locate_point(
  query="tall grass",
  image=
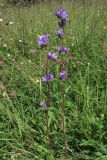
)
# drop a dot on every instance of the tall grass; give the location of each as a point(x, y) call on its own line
point(22, 121)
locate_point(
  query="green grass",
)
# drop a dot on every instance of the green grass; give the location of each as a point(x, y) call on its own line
point(22, 121)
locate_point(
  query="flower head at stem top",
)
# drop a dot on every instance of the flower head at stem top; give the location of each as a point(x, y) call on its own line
point(43, 40)
point(61, 14)
point(59, 32)
point(63, 74)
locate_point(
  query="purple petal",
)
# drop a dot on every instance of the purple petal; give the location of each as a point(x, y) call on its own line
point(52, 56)
point(63, 74)
point(50, 76)
point(43, 40)
point(61, 14)
point(42, 104)
point(45, 79)
point(59, 32)
point(62, 49)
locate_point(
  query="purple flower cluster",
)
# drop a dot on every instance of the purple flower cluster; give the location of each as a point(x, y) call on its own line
point(43, 40)
point(62, 49)
point(63, 74)
point(59, 32)
point(62, 23)
point(42, 104)
point(62, 15)
point(48, 77)
point(52, 56)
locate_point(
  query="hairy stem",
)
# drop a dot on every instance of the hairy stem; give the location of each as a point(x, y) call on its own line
point(48, 104)
point(63, 119)
point(63, 104)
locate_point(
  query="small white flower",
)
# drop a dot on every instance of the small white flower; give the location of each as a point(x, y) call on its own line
point(102, 115)
point(4, 94)
point(8, 55)
point(11, 22)
point(37, 80)
point(73, 37)
point(5, 45)
point(29, 61)
point(20, 41)
point(1, 20)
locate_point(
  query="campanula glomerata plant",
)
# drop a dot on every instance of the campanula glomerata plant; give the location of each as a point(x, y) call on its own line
point(43, 41)
point(53, 92)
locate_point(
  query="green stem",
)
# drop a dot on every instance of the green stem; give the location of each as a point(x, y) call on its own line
point(48, 104)
point(63, 106)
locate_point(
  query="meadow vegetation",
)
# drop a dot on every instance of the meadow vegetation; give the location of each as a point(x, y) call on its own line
point(22, 64)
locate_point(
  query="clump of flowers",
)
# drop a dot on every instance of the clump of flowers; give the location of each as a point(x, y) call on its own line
point(59, 32)
point(63, 74)
point(52, 56)
point(48, 77)
point(62, 49)
point(62, 23)
point(61, 14)
point(43, 41)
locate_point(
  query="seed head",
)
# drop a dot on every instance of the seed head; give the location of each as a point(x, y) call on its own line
point(12, 94)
